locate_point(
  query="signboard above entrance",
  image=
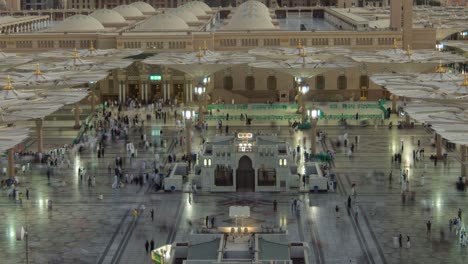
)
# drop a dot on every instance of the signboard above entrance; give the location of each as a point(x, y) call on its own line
point(155, 77)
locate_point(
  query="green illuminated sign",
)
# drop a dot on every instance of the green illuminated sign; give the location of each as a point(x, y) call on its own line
point(155, 77)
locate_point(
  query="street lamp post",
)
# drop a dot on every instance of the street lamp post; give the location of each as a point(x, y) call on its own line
point(188, 114)
point(200, 91)
point(314, 116)
point(303, 89)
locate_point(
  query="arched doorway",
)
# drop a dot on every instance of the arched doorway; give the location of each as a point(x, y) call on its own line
point(245, 175)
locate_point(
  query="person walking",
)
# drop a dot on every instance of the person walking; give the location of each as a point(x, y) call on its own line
point(428, 225)
point(460, 213)
point(152, 245)
point(408, 243)
point(349, 202)
point(27, 194)
point(152, 214)
point(147, 246)
point(400, 242)
point(213, 222)
point(207, 219)
point(135, 213)
point(275, 205)
point(337, 211)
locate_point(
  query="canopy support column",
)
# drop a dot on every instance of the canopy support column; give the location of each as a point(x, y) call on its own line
point(39, 126)
point(464, 160)
point(11, 164)
point(394, 104)
point(438, 146)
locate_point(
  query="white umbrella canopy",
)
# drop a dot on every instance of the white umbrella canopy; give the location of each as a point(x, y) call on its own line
point(28, 111)
point(298, 68)
point(423, 86)
point(9, 93)
point(12, 136)
point(9, 60)
point(463, 45)
point(21, 80)
point(64, 96)
point(448, 120)
point(400, 61)
point(285, 53)
point(201, 63)
point(91, 52)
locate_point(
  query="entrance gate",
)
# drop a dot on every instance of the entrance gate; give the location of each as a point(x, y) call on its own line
point(245, 175)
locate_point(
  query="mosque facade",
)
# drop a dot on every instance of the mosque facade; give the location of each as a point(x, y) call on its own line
point(194, 25)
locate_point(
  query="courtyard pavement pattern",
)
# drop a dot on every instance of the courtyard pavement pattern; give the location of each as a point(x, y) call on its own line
point(83, 229)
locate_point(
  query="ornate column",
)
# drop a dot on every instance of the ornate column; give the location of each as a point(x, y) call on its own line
point(438, 146)
point(190, 90)
point(394, 103)
point(122, 91)
point(146, 91)
point(39, 125)
point(188, 141)
point(164, 84)
point(142, 91)
point(187, 91)
point(11, 163)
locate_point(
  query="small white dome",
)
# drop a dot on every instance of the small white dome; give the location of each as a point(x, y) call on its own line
point(163, 22)
point(79, 23)
point(128, 11)
point(183, 13)
point(254, 10)
point(108, 16)
point(145, 8)
point(200, 5)
point(194, 9)
point(249, 21)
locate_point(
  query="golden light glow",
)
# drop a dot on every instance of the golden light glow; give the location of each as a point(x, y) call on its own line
point(200, 53)
point(440, 68)
point(91, 46)
point(205, 47)
point(8, 85)
point(76, 55)
point(465, 81)
point(299, 45)
point(303, 53)
point(395, 46)
point(37, 71)
point(408, 51)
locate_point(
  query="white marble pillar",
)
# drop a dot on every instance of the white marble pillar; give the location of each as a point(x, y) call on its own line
point(191, 91)
point(146, 91)
point(120, 92)
point(165, 90)
point(187, 91)
point(169, 91)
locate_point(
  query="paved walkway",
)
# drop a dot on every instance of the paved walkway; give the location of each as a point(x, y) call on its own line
point(84, 229)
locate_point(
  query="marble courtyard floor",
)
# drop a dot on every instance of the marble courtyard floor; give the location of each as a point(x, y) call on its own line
point(83, 229)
